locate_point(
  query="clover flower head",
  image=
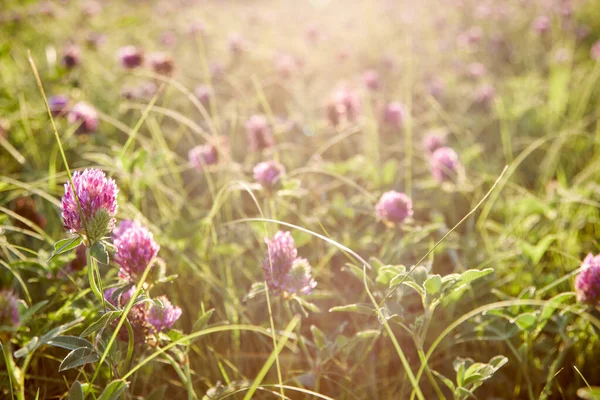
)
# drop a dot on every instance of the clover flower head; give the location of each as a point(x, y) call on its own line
point(97, 196)
point(269, 173)
point(136, 249)
point(587, 282)
point(9, 309)
point(163, 318)
point(394, 207)
point(444, 164)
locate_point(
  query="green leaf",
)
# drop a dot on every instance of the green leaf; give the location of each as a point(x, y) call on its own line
point(76, 391)
point(203, 320)
point(98, 251)
point(472, 379)
point(101, 322)
point(114, 390)
point(29, 347)
point(549, 308)
point(473, 274)
point(65, 245)
point(318, 337)
point(78, 357)
point(367, 334)
point(589, 393)
point(354, 308)
point(525, 321)
point(307, 304)
point(70, 342)
point(31, 311)
point(446, 381)
point(433, 284)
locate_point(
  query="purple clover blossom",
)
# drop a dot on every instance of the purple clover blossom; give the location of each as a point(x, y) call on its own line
point(204, 93)
point(161, 63)
point(269, 173)
point(541, 24)
point(163, 318)
point(137, 317)
point(58, 105)
point(71, 56)
point(299, 279)
point(259, 133)
point(444, 164)
point(344, 104)
point(136, 248)
point(395, 114)
point(433, 140)
point(595, 51)
point(97, 196)
point(587, 283)
point(122, 227)
point(484, 95)
point(394, 207)
point(119, 299)
point(9, 309)
point(201, 156)
point(85, 115)
point(130, 57)
point(281, 253)
point(371, 79)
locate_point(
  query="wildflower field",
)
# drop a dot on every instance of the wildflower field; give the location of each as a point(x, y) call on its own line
point(320, 199)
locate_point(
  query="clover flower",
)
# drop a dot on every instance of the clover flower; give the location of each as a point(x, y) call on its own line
point(268, 173)
point(395, 114)
point(299, 279)
point(136, 248)
point(137, 317)
point(58, 105)
point(163, 318)
point(394, 207)
point(371, 79)
point(444, 164)
point(97, 196)
point(161, 63)
point(259, 133)
point(281, 253)
point(587, 283)
point(9, 310)
point(130, 57)
point(344, 104)
point(71, 56)
point(203, 155)
point(595, 51)
point(85, 115)
point(433, 140)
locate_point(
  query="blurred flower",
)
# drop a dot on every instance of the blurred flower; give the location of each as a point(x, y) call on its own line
point(122, 227)
point(163, 318)
point(394, 207)
point(371, 79)
point(71, 56)
point(313, 34)
point(433, 140)
point(470, 38)
point(91, 8)
point(259, 133)
point(587, 282)
point(395, 114)
point(168, 39)
point(26, 208)
point(9, 309)
point(436, 88)
point(286, 65)
point(217, 70)
point(541, 24)
point(476, 70)
point(299, 279)
point(203, 94)
point(136, 249)
point(484, 95)
point(582, 31)
point(281, 254)
point(97, 196)
point(200, 156)
point(444, 164)
point(236, 43)
point(130, 57)
point(562, 55)
point(161, 63)
point(197, 28)
point(268, 173)
point(343, 104)
point(595, 51)
point(95, 40)
point(58, 105)
point(85, 115)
